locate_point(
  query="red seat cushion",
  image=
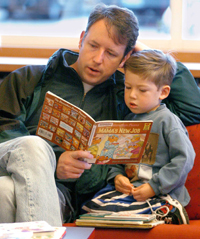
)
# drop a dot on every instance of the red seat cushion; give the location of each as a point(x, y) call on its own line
point(193, 180)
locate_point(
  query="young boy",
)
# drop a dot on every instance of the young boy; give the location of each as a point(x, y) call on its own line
point(158, 180)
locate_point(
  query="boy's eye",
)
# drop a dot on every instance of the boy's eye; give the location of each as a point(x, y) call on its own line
point(127, 87)
point(143, 90)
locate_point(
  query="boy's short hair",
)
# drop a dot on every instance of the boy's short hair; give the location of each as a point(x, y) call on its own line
point(123, 20)
point(153, 65)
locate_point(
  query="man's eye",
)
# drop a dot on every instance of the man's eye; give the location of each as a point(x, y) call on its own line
point(111, 54)
point(92, 45)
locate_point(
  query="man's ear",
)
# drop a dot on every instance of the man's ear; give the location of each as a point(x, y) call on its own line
point(125, 58)
point(81, 39)
point(164, 92)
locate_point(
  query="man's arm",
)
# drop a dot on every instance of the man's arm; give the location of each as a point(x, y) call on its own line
point(15, 90)
point(184, 98)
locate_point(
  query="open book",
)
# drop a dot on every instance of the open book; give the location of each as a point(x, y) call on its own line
point(110, 142)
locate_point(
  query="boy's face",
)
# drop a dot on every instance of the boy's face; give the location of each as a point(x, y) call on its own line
point(141, 95)
point(99, 56)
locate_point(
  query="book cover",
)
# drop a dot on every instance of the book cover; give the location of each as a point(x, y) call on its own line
point(58, 233)
point(35, 229)
point(110, 142)
point(118, 224)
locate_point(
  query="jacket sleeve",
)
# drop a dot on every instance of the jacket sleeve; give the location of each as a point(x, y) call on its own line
point(16, 93)
point(173, 174)
point(184, 98)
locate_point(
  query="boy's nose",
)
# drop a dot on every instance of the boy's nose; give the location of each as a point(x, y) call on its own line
point(133, 94)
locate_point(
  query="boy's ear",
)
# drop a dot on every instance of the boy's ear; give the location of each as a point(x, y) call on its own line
point(164, 92)
point(81, 39)
point(125, 58)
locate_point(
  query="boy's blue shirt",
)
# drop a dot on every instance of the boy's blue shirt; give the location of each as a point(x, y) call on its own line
point(174, 156)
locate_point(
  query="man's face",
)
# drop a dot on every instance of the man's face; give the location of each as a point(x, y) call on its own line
point(99, 55)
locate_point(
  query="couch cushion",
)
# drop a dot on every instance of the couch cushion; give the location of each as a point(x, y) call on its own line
point(193, 180)
point(165, 231)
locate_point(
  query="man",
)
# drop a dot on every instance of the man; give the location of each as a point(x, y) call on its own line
point(89, 80)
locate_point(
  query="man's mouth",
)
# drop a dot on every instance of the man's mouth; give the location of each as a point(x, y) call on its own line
point(93, 70)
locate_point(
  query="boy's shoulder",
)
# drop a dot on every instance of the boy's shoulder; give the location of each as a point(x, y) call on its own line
point(162, 115)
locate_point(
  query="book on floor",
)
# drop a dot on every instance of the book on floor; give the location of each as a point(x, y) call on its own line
point(30, 230)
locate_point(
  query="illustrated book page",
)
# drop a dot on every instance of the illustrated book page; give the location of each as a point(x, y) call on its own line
point(110, 142)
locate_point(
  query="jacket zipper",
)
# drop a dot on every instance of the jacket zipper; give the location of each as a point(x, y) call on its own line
point(83, 97)
point(82, 101)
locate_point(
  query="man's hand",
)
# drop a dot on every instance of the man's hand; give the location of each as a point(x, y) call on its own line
point(139, 46)
point(69, 165)
point(143, 192)
point(122, 184)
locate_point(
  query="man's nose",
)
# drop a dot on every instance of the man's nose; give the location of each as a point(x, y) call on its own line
point(99, 56)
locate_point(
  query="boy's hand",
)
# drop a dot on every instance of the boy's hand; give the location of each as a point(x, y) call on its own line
point(143, 192)
point(122, 184)
point(69, 165)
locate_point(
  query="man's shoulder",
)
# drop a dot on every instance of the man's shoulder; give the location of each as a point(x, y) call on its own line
point(118, 78)
point(68, 56)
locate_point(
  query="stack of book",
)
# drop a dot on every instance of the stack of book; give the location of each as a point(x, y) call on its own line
point(118, 220)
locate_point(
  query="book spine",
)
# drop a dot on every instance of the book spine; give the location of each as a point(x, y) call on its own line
point(92, 135)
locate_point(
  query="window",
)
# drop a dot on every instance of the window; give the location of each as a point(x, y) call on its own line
point(191, 19)
point(163, 24)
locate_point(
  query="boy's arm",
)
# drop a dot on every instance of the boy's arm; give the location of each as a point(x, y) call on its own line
point(174, 173)
point(123, 184)
point(117, 176)
point(114, 170)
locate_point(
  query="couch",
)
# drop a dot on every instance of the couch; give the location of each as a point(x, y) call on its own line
point(168, 231)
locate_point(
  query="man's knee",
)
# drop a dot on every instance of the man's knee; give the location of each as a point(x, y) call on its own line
point(36, 148)
point(31, 142)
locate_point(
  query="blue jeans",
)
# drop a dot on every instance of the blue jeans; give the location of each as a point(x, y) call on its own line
point(27, 185)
